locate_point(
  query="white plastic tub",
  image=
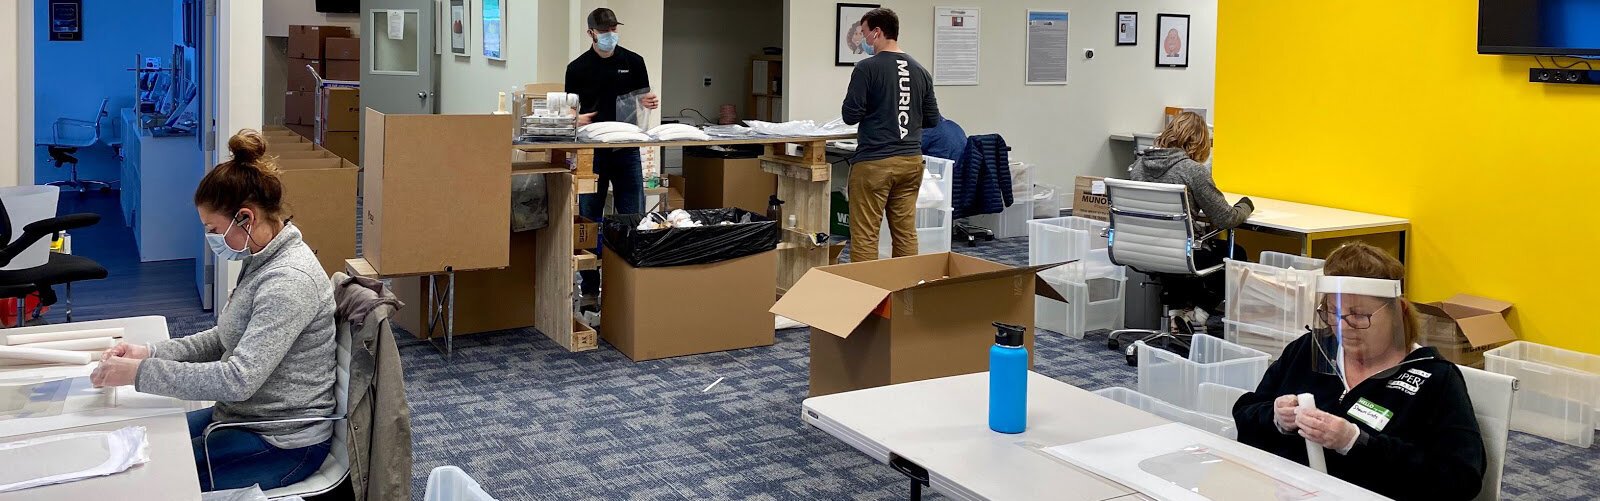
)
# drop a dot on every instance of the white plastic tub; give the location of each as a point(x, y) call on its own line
point(1558, 396)
point(933, 233)
point(1062, 239)
point(1095, 290)
point(1167, 376)
point(26, 205)
point(1166, 410)
point(449, 483)
point(1262, 295)
point(1269, 341)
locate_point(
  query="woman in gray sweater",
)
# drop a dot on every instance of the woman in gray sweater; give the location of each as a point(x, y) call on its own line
point(271, 355)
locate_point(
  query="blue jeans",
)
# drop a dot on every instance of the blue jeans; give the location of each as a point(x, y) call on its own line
point(241, 458)
point(621, 170)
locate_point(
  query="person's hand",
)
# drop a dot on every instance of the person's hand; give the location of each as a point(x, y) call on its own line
point(125, 350)
point(1247, 203)
point(650, 101)
point(1283, 413)
point(1327, 430)
point(115, 371)
point(585, 119)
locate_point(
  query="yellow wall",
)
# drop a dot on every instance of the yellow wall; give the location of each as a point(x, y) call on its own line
point(1386, 107)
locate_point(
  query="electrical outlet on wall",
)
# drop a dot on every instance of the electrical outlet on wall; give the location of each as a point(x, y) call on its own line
point(708, 81)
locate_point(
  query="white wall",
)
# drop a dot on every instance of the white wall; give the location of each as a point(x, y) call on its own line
point(239, 71)
point(555, 41)
point(278, 15)
point(16, 95)
point(715, 38)
point(1061, 129)
point(470, 84)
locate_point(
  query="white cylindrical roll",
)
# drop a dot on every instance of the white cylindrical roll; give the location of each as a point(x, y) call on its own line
point(553, 101)
point(44, 355)
point(1313, 450)
point(94, 343)
point(19, 339)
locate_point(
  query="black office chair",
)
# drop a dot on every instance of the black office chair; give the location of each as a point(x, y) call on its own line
point(1152, 231)
point(67, 136)
point(61, 269)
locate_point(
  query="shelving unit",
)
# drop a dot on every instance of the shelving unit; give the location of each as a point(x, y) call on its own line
point(765, 102)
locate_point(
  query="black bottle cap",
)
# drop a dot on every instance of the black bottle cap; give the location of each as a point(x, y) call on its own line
point(1008, 335)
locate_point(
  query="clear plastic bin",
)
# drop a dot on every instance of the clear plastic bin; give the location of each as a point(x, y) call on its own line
point(1013, 222)
point(1290, 261)
point(1271, 342)
point(1093, 305)
point(1280, 299)
point(449, 483)
point(1062, 239)
point(1166, 410)
point(1558, 393)
point(1165, 375)
point(1216, 401)
point(934, 227)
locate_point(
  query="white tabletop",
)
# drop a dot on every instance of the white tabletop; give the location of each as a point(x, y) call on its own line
point(1310, 219)
point(170, 474)
point(942, 425)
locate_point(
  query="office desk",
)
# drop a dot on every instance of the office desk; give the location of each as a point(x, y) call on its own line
point(942, 426)
point(170, 474)
point(1309, 224)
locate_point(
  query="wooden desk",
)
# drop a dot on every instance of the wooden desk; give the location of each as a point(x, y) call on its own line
point(1308, 225)
point(803, 184)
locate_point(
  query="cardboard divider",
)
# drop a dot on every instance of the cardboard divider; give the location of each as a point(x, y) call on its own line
point(320, 194)
point(311, 154)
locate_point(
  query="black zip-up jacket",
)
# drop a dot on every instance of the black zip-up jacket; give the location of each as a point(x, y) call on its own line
point(1429, 449)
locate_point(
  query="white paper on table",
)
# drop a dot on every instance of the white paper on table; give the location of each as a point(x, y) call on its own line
point(397, 24)
point(1119, 457)
point(130, 404)
point(73, 456)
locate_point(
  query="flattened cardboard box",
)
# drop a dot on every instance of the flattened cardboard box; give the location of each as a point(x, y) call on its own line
point(486, 300)
point(1465, 326)
point(908, 319)
point(435, 192)
point(1089, 199)
point(653, 313)
point(321, 196)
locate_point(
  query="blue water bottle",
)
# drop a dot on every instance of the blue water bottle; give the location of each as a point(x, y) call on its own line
point(1008, 380)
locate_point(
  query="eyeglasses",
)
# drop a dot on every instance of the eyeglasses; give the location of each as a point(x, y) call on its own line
point(1354, 320)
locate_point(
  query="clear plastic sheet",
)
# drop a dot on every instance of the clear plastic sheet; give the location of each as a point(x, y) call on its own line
point(1212, 475)
point(33, 397)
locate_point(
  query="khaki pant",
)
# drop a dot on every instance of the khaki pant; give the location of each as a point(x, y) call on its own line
point(878, 186)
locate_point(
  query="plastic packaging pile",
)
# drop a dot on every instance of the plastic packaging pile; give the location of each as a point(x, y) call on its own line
point(678, 218)
point(612, 132)
point(754, 128)
point(931, 195)
point(678, 132)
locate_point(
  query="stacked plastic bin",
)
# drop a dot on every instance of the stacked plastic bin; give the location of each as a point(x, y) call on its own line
point(449, 483)
point(1013, 222)
point(1094, 288)
point(1270, 303)
point(1124, 396)
point(1558, 393)
point(1175, 379)
point(934, 213)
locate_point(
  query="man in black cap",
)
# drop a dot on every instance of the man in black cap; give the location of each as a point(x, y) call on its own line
point(598, 77)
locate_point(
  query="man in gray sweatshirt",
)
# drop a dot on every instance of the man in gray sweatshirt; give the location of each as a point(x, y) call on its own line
point(891, 98)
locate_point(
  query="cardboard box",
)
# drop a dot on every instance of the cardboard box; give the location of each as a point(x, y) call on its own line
point(311, 154)
point(908, 319)
point(321, 195)
point(341, 49)
point(306, 131)
point(435, 192)
point(308, 42)
point(727, 182)
point(299, 108)
point(274, 128)
point(346, 145)
point(1172, 112)
point(285, 136)
point(486, 300)
point(281, 147)
point(676, 194)
point(650, 313)
point(585, 233)
point(349, 71)
point(300, 78)
point(834, 251)
point(1089, 199)
point(341, 110)
point(1465, 326)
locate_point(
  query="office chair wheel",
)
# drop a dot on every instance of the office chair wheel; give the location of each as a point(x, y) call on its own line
point(1112, 344)
point(1131, 356)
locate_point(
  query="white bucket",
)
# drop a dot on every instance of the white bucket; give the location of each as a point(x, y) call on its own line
point(26, 205)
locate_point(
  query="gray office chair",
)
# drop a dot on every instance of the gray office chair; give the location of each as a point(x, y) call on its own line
point(67, 136)
point(1153, 233)
point(1492, 396)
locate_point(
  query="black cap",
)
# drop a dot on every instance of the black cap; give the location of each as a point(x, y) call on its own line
point(603, 19)
point(1008, 335)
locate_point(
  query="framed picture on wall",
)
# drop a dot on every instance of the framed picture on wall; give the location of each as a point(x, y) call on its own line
point(494, 29)
point(459, 27)
point(847, 44)
point(1172, 40)
point(1127, 28)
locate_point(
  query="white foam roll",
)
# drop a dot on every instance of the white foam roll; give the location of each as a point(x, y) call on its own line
point(554, 100)
point(44, 355)
point(94, 343)
point(18, 339)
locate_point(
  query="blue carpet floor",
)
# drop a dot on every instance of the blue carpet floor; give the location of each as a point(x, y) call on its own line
point(530, 420)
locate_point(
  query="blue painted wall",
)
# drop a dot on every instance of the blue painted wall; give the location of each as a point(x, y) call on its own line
point(72, 77)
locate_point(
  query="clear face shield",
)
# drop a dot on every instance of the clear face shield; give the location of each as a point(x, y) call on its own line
point(1359, 326)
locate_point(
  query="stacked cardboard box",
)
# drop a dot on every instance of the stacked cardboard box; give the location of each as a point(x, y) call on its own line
point(341, 122)
point(312, 48)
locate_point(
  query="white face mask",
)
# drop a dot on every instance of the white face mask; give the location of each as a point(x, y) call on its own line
point(606, 42)
point(219, 243)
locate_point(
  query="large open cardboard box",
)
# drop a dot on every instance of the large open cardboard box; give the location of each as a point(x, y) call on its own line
point(486, 300)
point(908, 319)
point(1465, 326)
point(651, 313)
point(321, 195)
point(436, 192)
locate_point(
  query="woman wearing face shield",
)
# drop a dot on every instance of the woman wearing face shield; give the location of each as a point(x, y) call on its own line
point(1390, 416)
point(271, 355)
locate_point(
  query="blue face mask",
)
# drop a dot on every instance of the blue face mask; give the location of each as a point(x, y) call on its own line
point(606, 42)
point(867, 47)
point(219, 243)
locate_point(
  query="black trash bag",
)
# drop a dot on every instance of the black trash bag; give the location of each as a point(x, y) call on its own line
point(750, 234)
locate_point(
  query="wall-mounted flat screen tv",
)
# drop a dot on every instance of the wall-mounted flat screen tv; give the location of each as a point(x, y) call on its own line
point(1539, 27)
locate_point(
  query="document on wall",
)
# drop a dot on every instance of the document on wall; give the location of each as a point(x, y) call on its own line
point(397, 24)
point(955, 46)
point(1047, 47)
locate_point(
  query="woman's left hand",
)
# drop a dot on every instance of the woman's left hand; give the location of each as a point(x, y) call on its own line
point(1327, 430)
point(115, 371)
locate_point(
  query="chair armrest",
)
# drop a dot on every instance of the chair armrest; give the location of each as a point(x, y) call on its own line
point(1209, 271)
point(75, 122)
point(205, 437)
point(1210, 236)
point(62, 223)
